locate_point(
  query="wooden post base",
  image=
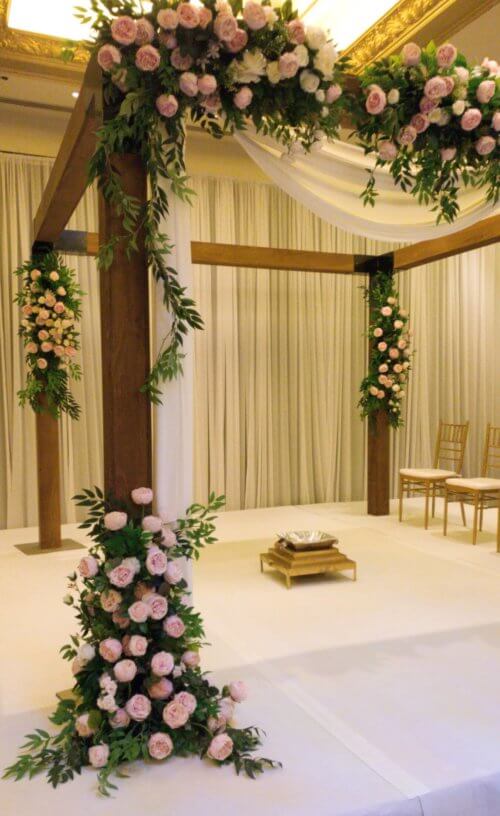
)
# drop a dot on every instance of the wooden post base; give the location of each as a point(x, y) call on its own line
point(34, 548)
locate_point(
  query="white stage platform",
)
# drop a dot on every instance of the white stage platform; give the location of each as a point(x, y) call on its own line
point(370, 692)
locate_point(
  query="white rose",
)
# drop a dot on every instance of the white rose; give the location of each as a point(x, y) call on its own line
point(458, 107)
point(315, 37)
point(393, 96)
point(325, 60)
point(309, 82)
point(86, 652)
point(325, 112)
point(273, 72)
point(320, 96)
point(250, 68)
point(302, 55)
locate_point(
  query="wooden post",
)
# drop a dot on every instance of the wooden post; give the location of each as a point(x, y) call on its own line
point(125, 346)
point(49, 497)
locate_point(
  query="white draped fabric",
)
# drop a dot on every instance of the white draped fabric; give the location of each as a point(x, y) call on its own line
point(329, 182)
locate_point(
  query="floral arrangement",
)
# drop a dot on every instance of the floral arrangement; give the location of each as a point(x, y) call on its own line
point(50, 301)
point(390, 358)
point(139, 691)
point(221, 64)
point(434, 120)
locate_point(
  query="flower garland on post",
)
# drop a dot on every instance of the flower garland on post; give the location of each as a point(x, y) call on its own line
point(139, 690)
point(50, 301)
point(220, 65)
point(390, 357)
point(434, 120)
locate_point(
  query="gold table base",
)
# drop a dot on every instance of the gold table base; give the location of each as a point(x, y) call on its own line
point(293, 564)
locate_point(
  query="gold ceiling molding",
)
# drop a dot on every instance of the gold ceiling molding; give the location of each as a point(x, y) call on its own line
point(418, 20)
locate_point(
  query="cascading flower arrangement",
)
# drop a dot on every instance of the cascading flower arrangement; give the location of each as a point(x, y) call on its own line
point(139, 691)
point(50, 301)
point(221, 64)
point(390, 358)
point(434, 120)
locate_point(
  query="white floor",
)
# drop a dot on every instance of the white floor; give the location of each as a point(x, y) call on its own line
point(369, 692)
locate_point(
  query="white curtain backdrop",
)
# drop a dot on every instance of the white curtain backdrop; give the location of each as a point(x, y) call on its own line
point(330, 180)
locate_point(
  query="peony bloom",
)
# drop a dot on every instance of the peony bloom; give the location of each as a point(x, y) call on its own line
point(138, 612)
point(108, 57)
point(375, 101)
point(446, 55)
point(243, 98)
point(309, 81)
point(158, 606)
point(162, 663)
point(121, 576)
point(168, 19)
point(174, 626)
point(411, 54)
point(407, 135)
point(220, 748)
point(296, 32)
point(420, 122)
point(173, 573)
point(169, 539)
point(250, 68)
point(188, 15)
point(88, 566)
point(226, 27)
point(485, 91)
point(161, 690)
point(156, 561)
point(147, 58)
point(137, 646)
point(120, 719)
point(448, 153)
point(325, 60)
point(254, 15)
point(207, 84)
point(238, 691)
point(98, 755)
point(125, 671)
point(167, 105)
point(188, 84)
point(187, 700)
point(145, 32)
point(160, 745)
point(288, 65)
point(238, 42)
point(110, 600)
point(315, 37)
point(471, 119)
point(124, 30)
point(450, 84)
point(110, 649)
point(138, 707)
point(191, 659)
point(435, 88)
point(175, 715)
point(115, 520)
point(106, 702)
point(142, 495)
point(82, 726)
point(387, 150)
point(152, 524)
point(86, 652)
point(485, 145)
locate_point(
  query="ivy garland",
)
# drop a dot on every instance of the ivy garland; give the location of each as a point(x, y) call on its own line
point(50, 301)
point(390, 357)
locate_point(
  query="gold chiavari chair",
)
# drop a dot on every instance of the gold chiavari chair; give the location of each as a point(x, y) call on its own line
point(450, 450)
point(482, 491)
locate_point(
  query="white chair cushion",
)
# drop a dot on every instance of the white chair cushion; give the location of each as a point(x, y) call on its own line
point(480, 483)
point(434, 474)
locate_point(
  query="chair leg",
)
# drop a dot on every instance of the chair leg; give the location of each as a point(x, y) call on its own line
point(427, 492)
point(474, 528)
point(462, 508)
point(401, 491)
point(445, 519)
point(481, 513)
point(433, 500)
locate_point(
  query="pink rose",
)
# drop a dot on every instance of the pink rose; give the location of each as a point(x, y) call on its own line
point(448, 153)
point(446, 55)
point(420, 122)
point(243, 98)
point(161, 690)
point(88, 566)
point(471, 119)
point(216, 724)
point(212, 103)
point(152, 524)
point(393, 353)
point(485, 91)
point(137, 646)
point(158, 606)
point(125, 671)
point(398, 324)
point(238, 42)
point(205, 16)
point(124, 30)
point(173, 573)
point(110, 649)
point(382, 346)
point(386, 311)
point(187, 700)
point(174, 626)
point(238, 691)
point(435, 88)
point(402, 344)
point(188, 15)
point(110, 600)
point(160, 745)
point(108, 56)
point(387, 150)
point(407, 135)
point(378, 332)
point(254, 15)
point(59, 308)
point(169, 539)
point(138, 707)
point(485, 145)
point(168, 19)
point(175, 715)
point(380, 394)
point(296, 32)
point(191, 659)
point(31, 348)
point(225, 27)
point(121, 576)
point(115, 520)
point(207, 84)
point(383, 368)
point(120, 620)
point(156, 561)
point(138, 612)
point(142, 495)
point(188, 83)
point(288, 65)
point(41, 363)
point(120, 719)
point(59, 351)
point(427, 105)
point(376, 100)
point(220, 748)
point(450, 84)
point(169, 41)
point(411, 54)
point(147, 58)
point(162, 663)
point(145, 32)
point(182, 63)
point(82, 726)
point(98, 755)
point(226, 708)
point(333, 93)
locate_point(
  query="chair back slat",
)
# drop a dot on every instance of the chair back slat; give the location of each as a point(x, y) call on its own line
point(491, 457)
point(450, 444)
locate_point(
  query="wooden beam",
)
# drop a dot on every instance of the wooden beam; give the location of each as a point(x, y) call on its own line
point(478, 235)
point(68, 178)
